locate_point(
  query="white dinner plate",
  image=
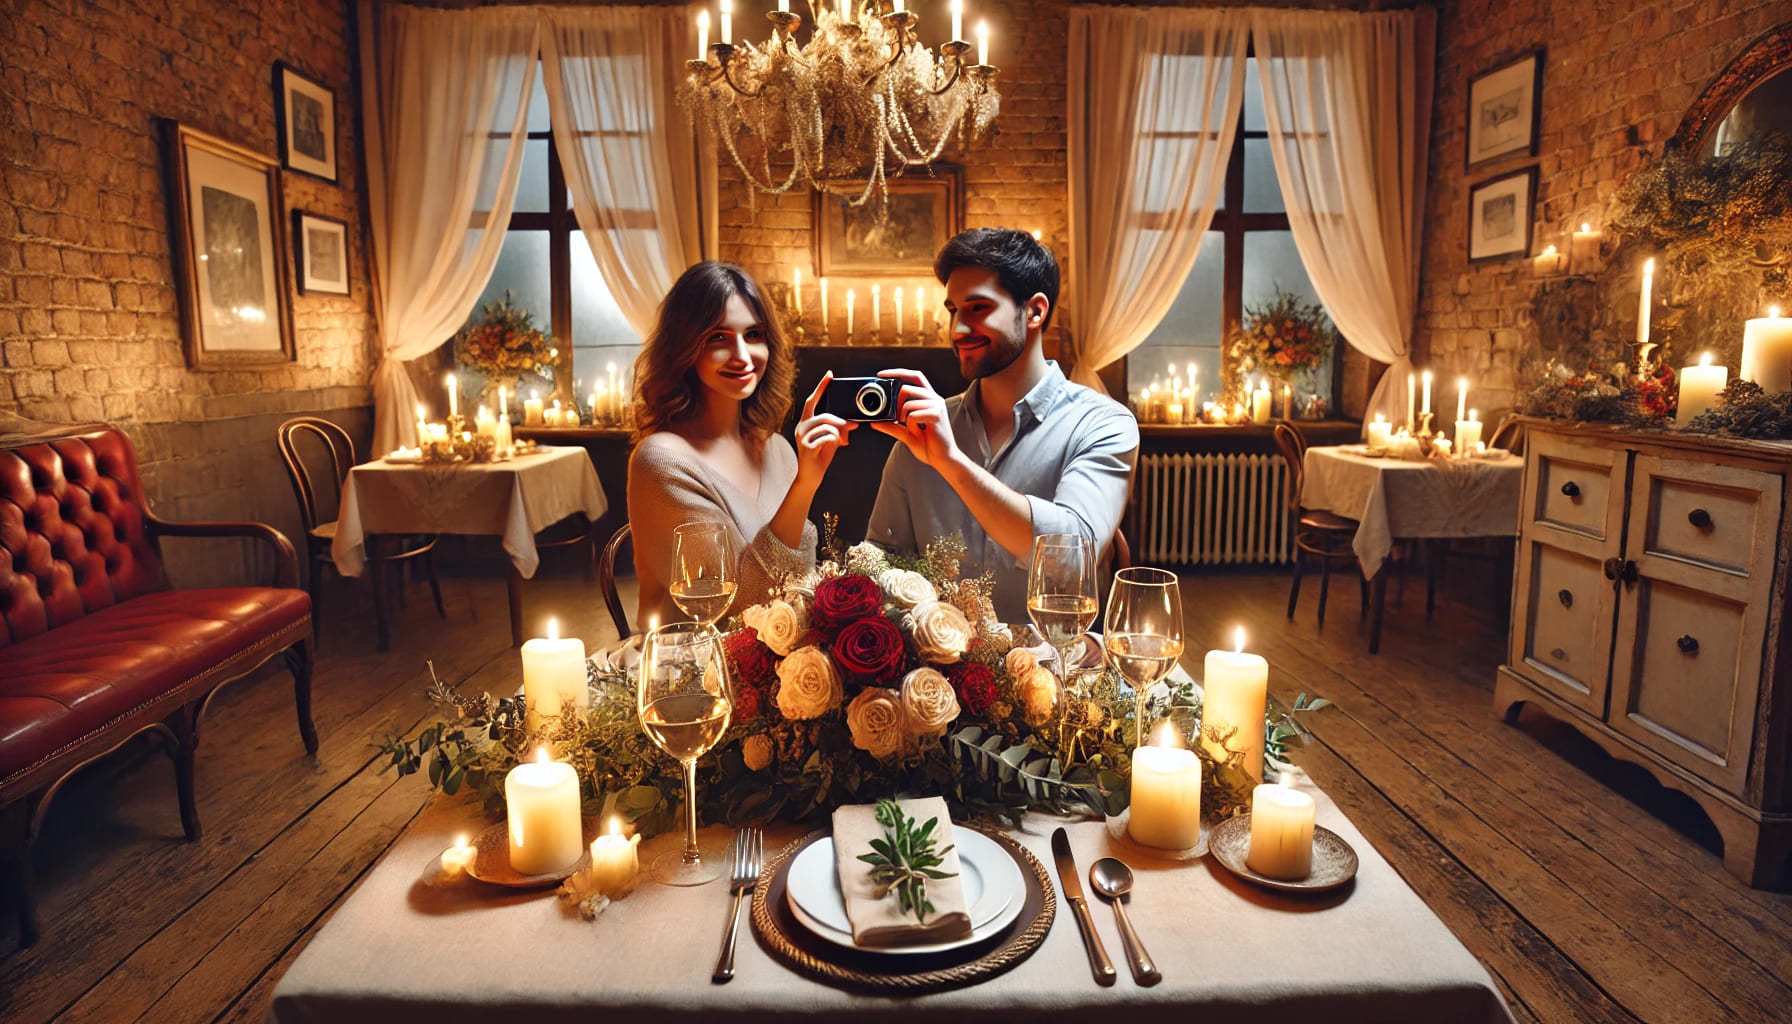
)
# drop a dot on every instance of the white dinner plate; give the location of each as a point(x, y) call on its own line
point(402, 460)
point(994, 891)
point(623, 654)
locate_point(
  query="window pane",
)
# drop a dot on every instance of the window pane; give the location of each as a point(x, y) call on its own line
point(1271, 262)
point(1191, 330)
point(522, 270)
point(538, 103)
point(532, 181)
point(1254, 120)
point(1261, 192)
point(600, 335)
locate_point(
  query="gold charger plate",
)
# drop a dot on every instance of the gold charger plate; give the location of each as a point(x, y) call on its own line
point(808, 954)
point(1334, 861)
point(491, 862)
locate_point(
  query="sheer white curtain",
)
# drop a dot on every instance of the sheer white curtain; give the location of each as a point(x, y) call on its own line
point(1348, 100)
point(630, 162)
point(1155, 96)
point(445, 105)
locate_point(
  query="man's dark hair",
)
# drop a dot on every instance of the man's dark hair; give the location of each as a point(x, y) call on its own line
point(1023, 266)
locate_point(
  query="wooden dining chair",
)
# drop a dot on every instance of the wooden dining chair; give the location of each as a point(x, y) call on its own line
point(606, 581)
point(321, 533)
point(1317, 533)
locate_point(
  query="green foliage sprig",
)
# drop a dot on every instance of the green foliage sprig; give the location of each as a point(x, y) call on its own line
point(905, 859)
point(1745, 410)
point(1725, 214)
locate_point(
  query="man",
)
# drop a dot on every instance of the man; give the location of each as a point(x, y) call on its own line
point(1022, 452)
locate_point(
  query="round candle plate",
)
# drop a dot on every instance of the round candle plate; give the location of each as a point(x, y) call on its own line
point(1117, 831)
point(492, 861)
point(1334, 862)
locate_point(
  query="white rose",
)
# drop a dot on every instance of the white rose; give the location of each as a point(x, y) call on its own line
point(781, 626)
point(875, 719)
point(941, 632)
point(757, 751)
point(906, 589)
point(753, 617)
point(867, 558)
point(929, 702)
point(1038, 693)
point(808, 685)
point(1020, 663)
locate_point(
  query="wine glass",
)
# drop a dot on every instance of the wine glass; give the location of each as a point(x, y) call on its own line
point(685, 703)
point(1143, 631)
point(705, 570)
point(1061, 592)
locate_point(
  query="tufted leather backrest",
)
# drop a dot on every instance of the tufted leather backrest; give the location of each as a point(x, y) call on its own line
point(73, 535)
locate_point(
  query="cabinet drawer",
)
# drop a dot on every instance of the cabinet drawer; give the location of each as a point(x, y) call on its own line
point(1710, 519)
point(1566, 632)
point(1574, 489)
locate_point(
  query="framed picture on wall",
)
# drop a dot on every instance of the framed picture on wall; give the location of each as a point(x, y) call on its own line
point(323, 253)
point(1499, 216)
point(855, 241)
point(1505, 106)
point(305, 114)
point(229, 250)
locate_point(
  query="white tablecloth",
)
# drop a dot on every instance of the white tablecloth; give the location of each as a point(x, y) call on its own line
point(514, 500)
point(402, 949)
point(1394, 499)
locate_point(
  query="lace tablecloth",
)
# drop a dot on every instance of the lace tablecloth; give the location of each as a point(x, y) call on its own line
point(1394, 499)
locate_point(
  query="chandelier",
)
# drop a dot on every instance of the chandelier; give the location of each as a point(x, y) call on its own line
point(862, 97)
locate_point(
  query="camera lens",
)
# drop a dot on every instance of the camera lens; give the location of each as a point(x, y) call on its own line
point(871, 400)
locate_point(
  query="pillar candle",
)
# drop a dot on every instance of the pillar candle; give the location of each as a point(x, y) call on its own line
point(422, 424)
point(1281, 832)
point(1549, 262)
point(541, 799)
point(1166, 797)
point(503, 405)
point(1583, 250)
point(1174, 413)
point(485, 424)
point(920, 312)
point(1260, 406)
point(453, 399)
point(1767, 352)
point(457, 859)
point(553, 676)
point(1236, 690)
point(1699, 386)
point(532, 412)
point(1642, 312)
point(613, 862)
point(1380, 431)
point(1468, 433)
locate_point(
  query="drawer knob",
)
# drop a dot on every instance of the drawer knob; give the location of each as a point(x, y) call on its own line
point(1688, 645)
point(1558, 654)
point(1612, 567)
point(1629, 574)
point(1699, 518)
point(1571, 489)
point(1565, 596)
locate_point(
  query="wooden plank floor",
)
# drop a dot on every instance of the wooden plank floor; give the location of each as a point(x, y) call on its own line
point(1589, 893)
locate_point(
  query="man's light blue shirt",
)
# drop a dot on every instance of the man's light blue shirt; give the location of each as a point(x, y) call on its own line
point(1071, 455)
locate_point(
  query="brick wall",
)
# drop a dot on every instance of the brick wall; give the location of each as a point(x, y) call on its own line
point(1618, 76)
point(88, 322)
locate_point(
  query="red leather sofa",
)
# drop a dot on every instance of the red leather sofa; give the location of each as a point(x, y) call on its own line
point(96, 648)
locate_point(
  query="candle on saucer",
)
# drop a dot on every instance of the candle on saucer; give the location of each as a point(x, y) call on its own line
point(1166, 794)
point(553, 676)
point(1583, 250)
point(541, 799)
point(1281, 832)
point(1380, 431)
point(613, 862)
point(457, 859)
point(1468, 432)
point(484, 424)
point(532, 412)
point(1260, 406)
point(1236, 688)
point(1699, 386)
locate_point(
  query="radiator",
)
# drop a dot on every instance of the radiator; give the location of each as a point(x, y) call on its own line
point(1210, 510)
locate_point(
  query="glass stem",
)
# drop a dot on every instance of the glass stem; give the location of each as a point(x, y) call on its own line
point(690, 813)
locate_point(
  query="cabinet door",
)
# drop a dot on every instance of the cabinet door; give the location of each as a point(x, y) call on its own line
point(1692, 624)
point(1563, 604)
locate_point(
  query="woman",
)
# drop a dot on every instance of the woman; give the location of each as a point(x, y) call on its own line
point(712, 387)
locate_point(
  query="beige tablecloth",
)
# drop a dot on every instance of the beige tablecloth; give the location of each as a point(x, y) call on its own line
point(514, 500)
point(1395, 499)
point(400, 949)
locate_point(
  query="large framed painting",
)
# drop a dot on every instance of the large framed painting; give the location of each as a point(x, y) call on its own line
point(857, 241)
point(323, 253)
point(305, 114)
point(229, 249)
point(1505, 108)
point(1499, 216)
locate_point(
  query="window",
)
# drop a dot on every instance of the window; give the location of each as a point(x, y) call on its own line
point(1247, 253)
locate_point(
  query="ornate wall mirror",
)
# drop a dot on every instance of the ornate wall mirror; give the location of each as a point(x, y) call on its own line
point(1752, 95)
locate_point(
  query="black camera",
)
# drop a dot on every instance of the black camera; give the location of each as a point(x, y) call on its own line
point(862, 399)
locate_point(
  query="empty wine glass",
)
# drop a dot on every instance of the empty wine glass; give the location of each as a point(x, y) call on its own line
point(1061, 592)
point(1143, 631)
point(685, 701)
point(705, 570)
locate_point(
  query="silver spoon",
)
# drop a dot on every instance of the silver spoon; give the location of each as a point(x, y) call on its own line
point(1114, 880)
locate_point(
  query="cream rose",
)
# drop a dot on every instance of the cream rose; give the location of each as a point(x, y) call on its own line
point(808, 685)
point(1020, 663)
point(906, 589)
point(757, 751)
point(1038, 693)
point(941, 632)
point(781, 626)
point(929, 702)
point(866, 558)
point(875, 719)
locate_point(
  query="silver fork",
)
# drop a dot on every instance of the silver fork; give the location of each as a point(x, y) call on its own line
point(745, 854)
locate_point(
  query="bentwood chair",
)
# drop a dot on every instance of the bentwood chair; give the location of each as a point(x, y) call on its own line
point(1317, 533)
point(319, 533)
point(606, 580)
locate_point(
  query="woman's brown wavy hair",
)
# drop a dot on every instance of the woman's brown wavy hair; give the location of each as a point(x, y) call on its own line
point(666, 384)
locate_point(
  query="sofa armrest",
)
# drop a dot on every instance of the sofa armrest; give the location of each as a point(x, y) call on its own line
point(286, 560)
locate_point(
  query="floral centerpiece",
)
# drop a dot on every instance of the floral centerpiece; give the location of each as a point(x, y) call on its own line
point(502, 342)
point(1611, 394)
point(1283, 337)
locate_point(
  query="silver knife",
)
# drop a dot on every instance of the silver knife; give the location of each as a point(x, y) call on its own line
point(1070, 881)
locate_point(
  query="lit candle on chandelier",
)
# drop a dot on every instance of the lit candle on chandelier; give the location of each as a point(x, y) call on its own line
point(920, 310)
point(851, 298)
point(824, 307)
point(957, 21)
point(727, 22)
point(899, 311)
point(877, 308)
point(983, 42)
point(796, 273)
point(702, 35)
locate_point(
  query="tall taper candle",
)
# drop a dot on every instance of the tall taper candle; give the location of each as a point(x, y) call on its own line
point(898, 312)
point(1461, 396)
point(851, 297)
point(796, 284)
point(877, 309)
point(1642, 312)
point(453, 399)
point(1424, 392)
point(824, 307)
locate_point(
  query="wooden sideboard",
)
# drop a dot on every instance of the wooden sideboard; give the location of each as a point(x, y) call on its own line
point(1649, 612)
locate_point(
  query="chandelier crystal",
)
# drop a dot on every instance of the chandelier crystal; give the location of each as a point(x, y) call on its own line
point(862, 97)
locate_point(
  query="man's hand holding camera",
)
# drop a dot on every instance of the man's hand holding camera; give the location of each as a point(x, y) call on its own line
point(921, 421)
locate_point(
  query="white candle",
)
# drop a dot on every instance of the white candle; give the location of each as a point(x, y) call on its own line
point(983, 42)
point(458, 859)
point(1235, 692)
point(1583, 250)
point(1441, 446)
point(796, 273)
point(553, 676)
point(1287, 401)
point(485, 424)
point(824, 307)
point(851, 298)
point(1642, 313)
point(898, 311)
point(1412, 401)
point(1281, 832)
point(1380, 431)
point(1699, 386)
point(503, 404)
point(702, 35)
point(1549, 262)
point(1173, 414)
point(1468, 432)
point(1260, 406)
point(1767, 352)
point(727, 22)
point(920, 311)
point(958, 21)
point(422, 424)
point(542, 801)
point(613, 862)
point(784, 6)
point(1461, 396)
point(1166, 797)
point(532, 412)
point(877, 308)
point(1425, 393)
point(453, 399)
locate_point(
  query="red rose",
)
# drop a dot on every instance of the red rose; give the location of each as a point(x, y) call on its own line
point(846, 599)
point(975, 685)
point(754, 663)
point(870, 650)
point(749, 702)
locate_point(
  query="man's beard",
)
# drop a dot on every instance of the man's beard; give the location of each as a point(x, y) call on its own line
point(1000, 352)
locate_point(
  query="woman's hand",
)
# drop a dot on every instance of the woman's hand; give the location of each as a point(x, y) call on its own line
point(818, 437)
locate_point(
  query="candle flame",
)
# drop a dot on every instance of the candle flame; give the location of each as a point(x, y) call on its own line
point(1773, 311)
point(460, 841)
point(1705, 360)
point(1473, 415)
point(1462, 383)
point(703, 21)
point(1166, 736)
point(553, 629)
point(1035, 234)
point(653, 623)
point(1426, 376)
point(1586, 228)
point(1379, 418)
point(615, 826)
point(1238, 647)
point(1649, 265)
point(1549, 250)
point(541, 755)
point(451, 380)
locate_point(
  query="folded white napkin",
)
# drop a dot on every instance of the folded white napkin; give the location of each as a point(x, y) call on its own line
point(882, 923)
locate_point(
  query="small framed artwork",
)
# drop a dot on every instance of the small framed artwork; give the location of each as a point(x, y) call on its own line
point(1499, 216)
point(230, 250)
point(323, 253)
point(305, 114)
point(855, 241)
point(1505, 106)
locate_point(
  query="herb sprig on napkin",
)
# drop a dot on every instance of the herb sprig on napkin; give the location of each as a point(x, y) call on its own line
point(905, 859)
